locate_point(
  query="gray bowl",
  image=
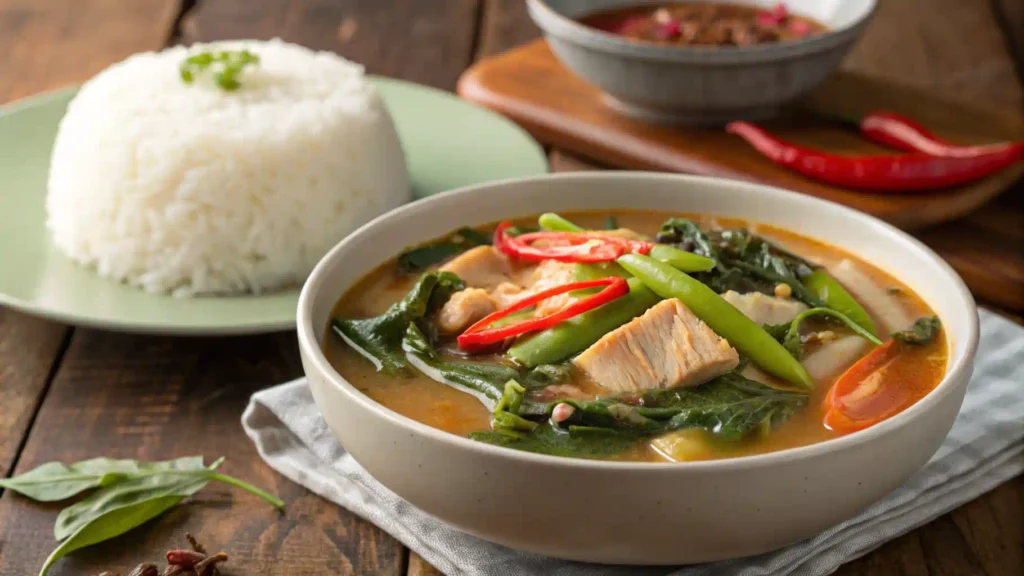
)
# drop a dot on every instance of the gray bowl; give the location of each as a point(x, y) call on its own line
point(700, 85)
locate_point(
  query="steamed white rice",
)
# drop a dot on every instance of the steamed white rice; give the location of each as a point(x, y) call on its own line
point(188, 189)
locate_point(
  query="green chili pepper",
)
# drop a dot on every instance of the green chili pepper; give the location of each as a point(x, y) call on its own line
point(577, 334)
point(837, 298)
point(555, 223)
point(747, 337)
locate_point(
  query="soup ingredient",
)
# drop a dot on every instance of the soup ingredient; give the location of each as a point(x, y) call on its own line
point(765, 309)
point(834, 356)
point(574, 335)
point(566, 246)
point(481, 267)
point(789, 334)
point(680, 260)
point(192, 190)
point(887, 173)
point(887, 306)
point(126, 495)
point(226, 66)
point(666, 347)
point(902, 133)
point(863, 396)
point(922, 332)
point(484, 380)
point(750, 339)
point(743, 262)
point(464, 308)
point(423, 257)
point(555, 223)
point(684, 445)
point(379, 339)
point(837, 298)
point(728, 408)
point(481, 335)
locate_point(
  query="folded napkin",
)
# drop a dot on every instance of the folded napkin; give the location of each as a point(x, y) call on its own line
point(984, 449)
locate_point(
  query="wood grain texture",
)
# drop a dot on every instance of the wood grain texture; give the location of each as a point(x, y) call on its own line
point(504, 24)
point(29, 349)
point(950, 46)
point(530, 85)
point(425, 42)
point(1010, 14)
point(155, 398)
point(46, 44)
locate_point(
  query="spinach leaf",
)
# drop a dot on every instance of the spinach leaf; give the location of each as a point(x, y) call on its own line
point(423, 257)
point(687, 236)
point(548, 439)
point(921, 332)
point(729, 407)
point(379, 339)
point(789, 334)
point(482, 379)
point(55, 481)
point(485, 380)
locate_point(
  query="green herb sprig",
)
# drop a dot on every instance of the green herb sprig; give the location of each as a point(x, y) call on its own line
point(226, 66)
point(127, 494)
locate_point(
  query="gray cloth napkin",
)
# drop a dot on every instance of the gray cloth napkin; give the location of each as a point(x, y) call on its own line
point(984, 449)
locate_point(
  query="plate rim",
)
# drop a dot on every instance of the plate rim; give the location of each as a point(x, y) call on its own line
point(245, 327)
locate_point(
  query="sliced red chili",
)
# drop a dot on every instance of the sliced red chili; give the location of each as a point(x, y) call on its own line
point(566, 246)
point(894, 173)
point(479, 336)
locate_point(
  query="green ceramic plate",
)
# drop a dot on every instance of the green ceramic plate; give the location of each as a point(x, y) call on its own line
point(449, 143)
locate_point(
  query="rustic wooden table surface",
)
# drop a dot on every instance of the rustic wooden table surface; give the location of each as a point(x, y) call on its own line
point(71, 393)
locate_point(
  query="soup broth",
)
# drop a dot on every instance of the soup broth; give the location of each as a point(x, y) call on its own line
point(914, 372)
point(704, 24)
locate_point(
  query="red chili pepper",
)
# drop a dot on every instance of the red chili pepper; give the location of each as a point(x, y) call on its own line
point(897, 173)
point(479, 336)
point(566, 246)
point(895, 131)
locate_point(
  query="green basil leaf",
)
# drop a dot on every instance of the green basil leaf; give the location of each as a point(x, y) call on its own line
point(128, 493)
point(114, 522)
point(55, 481)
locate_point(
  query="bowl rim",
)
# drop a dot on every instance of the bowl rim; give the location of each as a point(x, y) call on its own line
point(958, 368)
point(554, 23)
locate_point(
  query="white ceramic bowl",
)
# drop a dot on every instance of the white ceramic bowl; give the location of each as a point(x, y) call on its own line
point(636, 513)
point(700, 85)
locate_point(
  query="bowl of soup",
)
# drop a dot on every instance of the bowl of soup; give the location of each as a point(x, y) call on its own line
point(701, 62)
point(636, 368)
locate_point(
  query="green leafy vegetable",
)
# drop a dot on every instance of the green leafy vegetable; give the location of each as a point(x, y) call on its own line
point(611, 223)
point(128, 493)
point(729, 407)
point(485, 380)
point(379, 339)
point(921, 332)
point(789, 334)
point(423, 257)
point(56, 481)
point(226, 66)
point(745, 262)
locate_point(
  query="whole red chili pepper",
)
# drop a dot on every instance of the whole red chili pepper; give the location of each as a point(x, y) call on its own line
point(892, 173)
point(902, 133)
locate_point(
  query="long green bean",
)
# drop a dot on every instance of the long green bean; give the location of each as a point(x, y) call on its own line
point(746, 336)
point(837, 298)
point(554, 223)
point(577, 334)
point(680, 259)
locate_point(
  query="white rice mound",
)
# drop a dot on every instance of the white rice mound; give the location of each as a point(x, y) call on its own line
point(189, 189)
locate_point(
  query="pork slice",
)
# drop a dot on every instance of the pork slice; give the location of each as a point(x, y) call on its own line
point(764, 309)
point(832, 358)
point(666, 347)
point(464, 308)
point(549, 274)
point(481, 267)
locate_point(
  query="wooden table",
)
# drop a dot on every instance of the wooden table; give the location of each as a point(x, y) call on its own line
point(70, 393)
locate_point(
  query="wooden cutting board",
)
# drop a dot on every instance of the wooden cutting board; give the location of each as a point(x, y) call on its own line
point(530, 86)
